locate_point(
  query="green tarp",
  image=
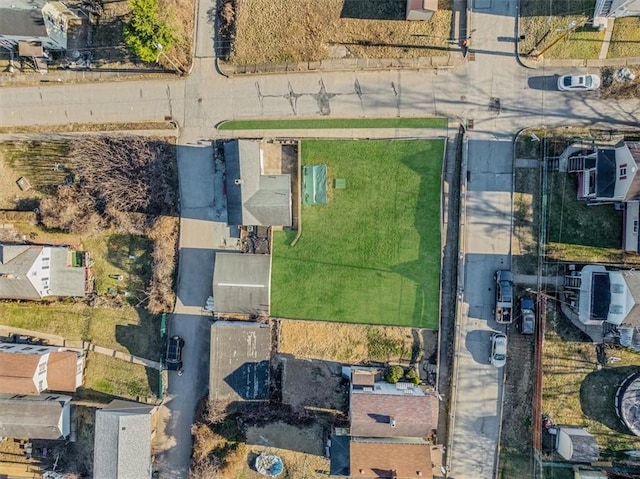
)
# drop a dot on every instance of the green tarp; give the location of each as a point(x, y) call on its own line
point(314, 185)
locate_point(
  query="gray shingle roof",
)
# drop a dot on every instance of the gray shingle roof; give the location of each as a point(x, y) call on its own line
point(122, 445)
point(21, 21)
point(254, 199)
point(16, 262)
point(242, 283)
point(33, 417)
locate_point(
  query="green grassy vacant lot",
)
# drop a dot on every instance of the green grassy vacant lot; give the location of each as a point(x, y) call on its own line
point(542, 23)
point(625, 41)
point(316, 123)
point(372, 254)
point(575, 392)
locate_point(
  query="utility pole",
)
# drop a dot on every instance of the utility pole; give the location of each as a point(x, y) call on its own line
point(572, 26)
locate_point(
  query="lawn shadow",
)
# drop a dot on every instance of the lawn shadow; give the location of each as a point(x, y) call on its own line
point(374, 9)
point(598, 392)
point(142, 339)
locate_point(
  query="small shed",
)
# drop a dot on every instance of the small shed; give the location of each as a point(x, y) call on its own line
point(576, 444)
point(421, 10)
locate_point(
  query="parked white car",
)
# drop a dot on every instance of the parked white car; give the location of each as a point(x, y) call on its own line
point(579, 82)
point(498, 350)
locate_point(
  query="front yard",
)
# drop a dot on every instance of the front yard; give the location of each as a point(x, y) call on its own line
point(372, 253)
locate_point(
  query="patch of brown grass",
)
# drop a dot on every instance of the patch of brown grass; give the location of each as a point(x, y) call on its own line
point(341, 342)
point(277, 31)
point(625, 40)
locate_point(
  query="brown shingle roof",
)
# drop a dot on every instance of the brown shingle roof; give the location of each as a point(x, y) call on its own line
point(16, 373)
point(414, 416)
point(379, 459)
point(61, 371)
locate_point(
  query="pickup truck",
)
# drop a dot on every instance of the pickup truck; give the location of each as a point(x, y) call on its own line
point(504, 296)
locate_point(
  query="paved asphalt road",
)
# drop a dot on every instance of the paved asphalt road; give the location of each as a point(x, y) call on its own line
point(204, 98)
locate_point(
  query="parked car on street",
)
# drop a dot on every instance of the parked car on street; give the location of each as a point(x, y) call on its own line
point(579, 82)
point(504, 296)
point(498, 356)
point(173, 357)
point(527, 316)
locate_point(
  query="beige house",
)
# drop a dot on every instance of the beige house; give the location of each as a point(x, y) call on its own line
point(29, 369)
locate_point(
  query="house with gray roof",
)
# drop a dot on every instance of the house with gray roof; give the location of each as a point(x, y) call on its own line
point(122, 444)
point(35, 20)
point(610, 9)
point(239, 368)
point(47, 416)
point(242, 283)
point(36, 272)
point(254, 198)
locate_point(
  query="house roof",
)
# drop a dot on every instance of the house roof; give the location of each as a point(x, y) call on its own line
point(375, 459)
point(241, 283)
point(606, 172)
point(576, 444)
point(34, 418)
point(23, 21)
point(392, 415)
point(17, 372)
point(17, 262)
point(61, 371)
point(254, 199)
point(239, 361)
point(632, 151)
point(122, 444)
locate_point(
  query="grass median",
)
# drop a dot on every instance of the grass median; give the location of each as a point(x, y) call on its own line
point(335, 123)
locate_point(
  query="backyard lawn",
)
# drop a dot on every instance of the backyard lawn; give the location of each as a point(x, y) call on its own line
point(372, 254)
point(573, 390)
point(572, 222)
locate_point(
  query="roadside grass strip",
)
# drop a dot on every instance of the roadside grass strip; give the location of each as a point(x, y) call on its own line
point(335, 123)
point(372, 253)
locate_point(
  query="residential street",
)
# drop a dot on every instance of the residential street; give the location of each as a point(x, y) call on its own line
point(204, 98)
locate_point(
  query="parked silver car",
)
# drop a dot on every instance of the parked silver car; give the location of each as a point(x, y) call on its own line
point(498, 350)
point(579, 82)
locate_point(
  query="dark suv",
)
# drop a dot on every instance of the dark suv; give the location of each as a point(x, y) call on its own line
point(527, 316)
point(173, 358)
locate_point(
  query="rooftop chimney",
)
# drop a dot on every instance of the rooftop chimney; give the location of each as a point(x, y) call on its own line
point(392, 421)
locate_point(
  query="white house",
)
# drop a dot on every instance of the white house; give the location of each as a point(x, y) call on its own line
point(606, 9)
point(36, 272)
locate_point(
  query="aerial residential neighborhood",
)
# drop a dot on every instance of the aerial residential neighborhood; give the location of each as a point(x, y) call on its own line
point(311, 240)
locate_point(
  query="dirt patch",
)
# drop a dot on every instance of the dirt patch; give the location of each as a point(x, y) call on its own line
point(285, 436)
point(268, 31)
point(620, 89)
point(312, 384)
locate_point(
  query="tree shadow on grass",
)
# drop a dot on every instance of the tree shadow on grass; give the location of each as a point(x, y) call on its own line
point(374, 9)
point(598, 392)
